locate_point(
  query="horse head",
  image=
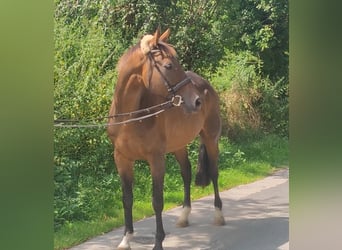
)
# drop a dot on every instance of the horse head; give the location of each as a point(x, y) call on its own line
point(164, 76)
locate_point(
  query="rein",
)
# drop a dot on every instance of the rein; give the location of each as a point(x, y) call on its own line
point(175, 101)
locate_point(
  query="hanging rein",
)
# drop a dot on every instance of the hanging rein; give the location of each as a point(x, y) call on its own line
point(174, 101)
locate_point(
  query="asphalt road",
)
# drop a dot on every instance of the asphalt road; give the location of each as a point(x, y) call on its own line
point(256, 214)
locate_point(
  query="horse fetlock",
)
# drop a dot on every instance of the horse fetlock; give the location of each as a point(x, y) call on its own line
point(218, 218)
point(159, 241)
point(183, 220)
point(124, 244)
point(158, 248)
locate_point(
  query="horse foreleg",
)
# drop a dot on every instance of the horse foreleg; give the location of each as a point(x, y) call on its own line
point(185, 165)
point(125, 169)
point(157, 166)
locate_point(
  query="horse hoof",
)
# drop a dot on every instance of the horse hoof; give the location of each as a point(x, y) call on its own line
point(183, 219)
point(123, 248)
point(124, 244)
point(219, 219)
point(182, 223)
point(219, 222)
point(158, 248)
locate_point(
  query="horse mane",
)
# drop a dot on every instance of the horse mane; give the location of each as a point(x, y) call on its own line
point(125, 59)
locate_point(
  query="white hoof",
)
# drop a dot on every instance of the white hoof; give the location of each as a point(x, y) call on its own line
point(124, 244)
point(219, 219)
point(183, 220)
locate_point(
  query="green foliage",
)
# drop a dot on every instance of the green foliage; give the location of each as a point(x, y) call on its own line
point(250, 103)
point(83, 175)
point(260, 27)
point(196, 37)
point(83, 69)
point(85, 56)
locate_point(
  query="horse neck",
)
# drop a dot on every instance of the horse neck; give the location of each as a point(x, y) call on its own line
point(128, 93)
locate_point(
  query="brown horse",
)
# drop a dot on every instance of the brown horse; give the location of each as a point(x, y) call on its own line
point(149, 74)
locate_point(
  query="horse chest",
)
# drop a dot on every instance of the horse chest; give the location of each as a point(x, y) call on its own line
point(136, 141)
point(182, 132)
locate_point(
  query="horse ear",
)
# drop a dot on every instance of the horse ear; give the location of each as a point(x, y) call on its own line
point(165, 36)
point(156, 37)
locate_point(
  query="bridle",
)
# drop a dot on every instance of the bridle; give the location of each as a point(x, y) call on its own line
point(171, 89)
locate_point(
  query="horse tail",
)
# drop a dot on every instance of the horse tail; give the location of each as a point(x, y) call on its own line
point(202, 176)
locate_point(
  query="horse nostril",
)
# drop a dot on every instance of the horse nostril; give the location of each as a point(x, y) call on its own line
point(198, 102)
point(168, 65)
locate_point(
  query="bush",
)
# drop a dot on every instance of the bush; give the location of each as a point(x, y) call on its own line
point(85, 179)
point(84, 75)
point(250, 104)
point(83, 70)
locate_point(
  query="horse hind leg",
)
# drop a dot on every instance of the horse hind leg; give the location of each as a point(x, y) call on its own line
point(208, 168)
point(202, 178)
point(185, 165)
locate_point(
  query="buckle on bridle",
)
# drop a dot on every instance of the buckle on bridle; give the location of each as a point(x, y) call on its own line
point(177, 100)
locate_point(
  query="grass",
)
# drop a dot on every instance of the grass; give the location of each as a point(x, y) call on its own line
point(240, 163)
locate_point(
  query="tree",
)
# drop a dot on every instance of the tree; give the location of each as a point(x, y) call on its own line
point(260, 26)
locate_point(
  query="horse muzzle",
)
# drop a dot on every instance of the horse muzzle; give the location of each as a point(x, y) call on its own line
point(192, 105)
